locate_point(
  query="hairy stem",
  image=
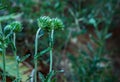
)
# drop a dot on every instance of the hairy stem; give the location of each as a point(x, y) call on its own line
point(36, 48)
point(51, 53)
point(15, 55)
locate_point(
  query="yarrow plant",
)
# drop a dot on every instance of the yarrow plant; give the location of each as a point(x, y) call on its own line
point(47, 24)
point(9, 32)
point(12, 29)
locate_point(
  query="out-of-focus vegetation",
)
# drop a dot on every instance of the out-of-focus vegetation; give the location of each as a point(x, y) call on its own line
point(82, 50)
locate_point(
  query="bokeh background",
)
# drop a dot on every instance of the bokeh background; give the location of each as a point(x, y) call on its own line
point(88, 49)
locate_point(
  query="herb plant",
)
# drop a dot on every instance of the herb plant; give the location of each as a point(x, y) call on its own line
point(94, 19)
point(49, 25)
point(10, 30)
point(45, 23)
point(16, 27)
point(4, 39)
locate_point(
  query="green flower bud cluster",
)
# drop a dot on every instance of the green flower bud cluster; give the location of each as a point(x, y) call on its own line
point(57, 24)
point(48, 24)
point(14, 26)
point(44, 22)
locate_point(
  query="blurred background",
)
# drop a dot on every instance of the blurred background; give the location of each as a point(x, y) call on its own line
point(88, 49)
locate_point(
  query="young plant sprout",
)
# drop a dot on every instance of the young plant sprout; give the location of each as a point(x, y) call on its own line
point(14, 28)
point(50, 25)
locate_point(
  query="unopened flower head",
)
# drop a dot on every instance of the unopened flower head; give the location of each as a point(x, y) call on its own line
point(16, 26)
point(57, 24)
point(48, 24)
point(44, 22)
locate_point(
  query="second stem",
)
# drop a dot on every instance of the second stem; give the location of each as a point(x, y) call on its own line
point(51, 46)
point(36, 48)
point(15, 55)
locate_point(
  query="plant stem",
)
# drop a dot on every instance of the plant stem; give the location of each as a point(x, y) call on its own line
point(51, 46)
point(15, 55)
point(36, 48)
point(3, 55)
point(0, 28)
point(4, 62)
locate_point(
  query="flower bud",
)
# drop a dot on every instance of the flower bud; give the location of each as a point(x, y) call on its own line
point(16, 26)
point(44, 22)
point(57, 24)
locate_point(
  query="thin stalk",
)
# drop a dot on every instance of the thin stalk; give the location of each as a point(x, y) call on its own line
point(4, 62)
point(3, 55)
point(15, 55)
point(51, 53)
point(36, 49)
point(0, 28)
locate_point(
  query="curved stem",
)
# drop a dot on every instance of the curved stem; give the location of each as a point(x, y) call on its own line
point(36, 48)
point(15, 55)
point(4, 63)
point(51, 53)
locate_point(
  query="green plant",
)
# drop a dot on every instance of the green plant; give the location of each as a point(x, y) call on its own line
point(9, 36)
point(9, 30)
point(50, 25)
point(92, 65)
point(79, 16)
point(4, 41)
point(35, 59)
point(15, 27)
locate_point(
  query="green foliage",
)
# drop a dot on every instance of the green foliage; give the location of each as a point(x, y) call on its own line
point(94, 66)
point(49, 25)
point(79, 17)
